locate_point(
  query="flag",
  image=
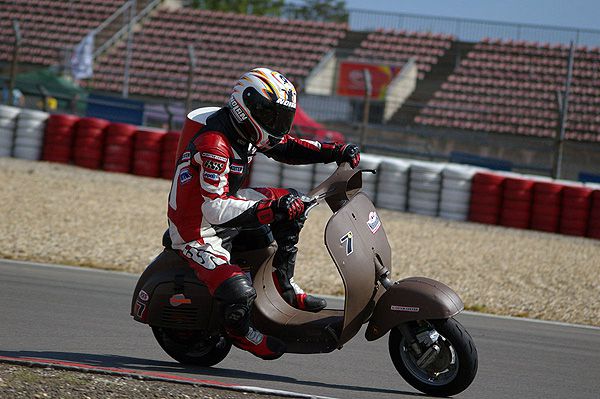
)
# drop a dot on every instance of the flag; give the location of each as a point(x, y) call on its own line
point(82, 59)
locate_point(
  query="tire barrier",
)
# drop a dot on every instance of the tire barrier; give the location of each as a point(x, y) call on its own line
point(516, 202)
point(456, 192)
point(88, 147)
point(424, 188)
point(8, 121)
point(545, 208)
point(393, 188)
point(322, 172)
point(118, 147)
point(147, 153)
point(451, 191)
point(265, 172)
point(299, 177)
point(594, 220)
point(29, 134)
point(576, 203)
point(169, 151)
point(486, 198)
point(369, 180)
point(58, 138)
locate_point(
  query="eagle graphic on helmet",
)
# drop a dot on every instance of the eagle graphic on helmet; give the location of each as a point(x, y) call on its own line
point(263, 105)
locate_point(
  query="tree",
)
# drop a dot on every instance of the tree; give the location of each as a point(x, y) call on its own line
point(257, 7)
point(321, 10)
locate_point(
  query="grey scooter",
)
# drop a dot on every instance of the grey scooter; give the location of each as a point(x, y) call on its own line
point(431, 350)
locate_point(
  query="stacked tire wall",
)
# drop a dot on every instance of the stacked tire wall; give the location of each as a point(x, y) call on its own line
point(8, 122)
point(450, 191)
point(58, 139)
point(29, 134)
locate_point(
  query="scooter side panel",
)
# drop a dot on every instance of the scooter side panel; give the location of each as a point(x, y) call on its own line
point(354, 236)
point(415, 298)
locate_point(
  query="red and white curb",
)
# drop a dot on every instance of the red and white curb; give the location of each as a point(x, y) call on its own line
point(149, 376)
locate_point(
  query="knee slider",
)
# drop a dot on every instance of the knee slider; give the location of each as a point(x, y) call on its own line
point(236, 296)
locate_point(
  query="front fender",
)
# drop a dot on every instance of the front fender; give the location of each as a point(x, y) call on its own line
point(414, 298)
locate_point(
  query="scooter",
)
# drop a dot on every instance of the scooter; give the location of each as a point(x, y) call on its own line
point(431, 350)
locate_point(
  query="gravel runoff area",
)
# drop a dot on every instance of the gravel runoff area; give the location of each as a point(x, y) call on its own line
point(68, 215)
point(22, 382)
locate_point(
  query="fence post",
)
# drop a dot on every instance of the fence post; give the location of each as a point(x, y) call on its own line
point(13, 64)
point(191, 70)
point(132, 11)
point(563, 105)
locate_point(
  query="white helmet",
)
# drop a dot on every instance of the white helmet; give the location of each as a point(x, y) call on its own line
point(263, 104)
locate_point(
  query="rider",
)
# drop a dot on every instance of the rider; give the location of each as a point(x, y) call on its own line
point(209, 213)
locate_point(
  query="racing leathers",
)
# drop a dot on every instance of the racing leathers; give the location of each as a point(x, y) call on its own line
point(208, 209)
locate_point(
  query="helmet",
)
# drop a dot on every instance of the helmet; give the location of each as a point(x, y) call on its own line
point(263, 104)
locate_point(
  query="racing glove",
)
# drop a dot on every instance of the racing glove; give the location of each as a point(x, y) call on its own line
point(347, 153)
point(288, 207)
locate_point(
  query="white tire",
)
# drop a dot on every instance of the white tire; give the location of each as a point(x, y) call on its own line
point(455, 184)
point(428, 196)
point(460, 197)
point(31, 133)
point(7, 133)
point(459, 172)
point(33, 114)
point(391, 202)
point(9, 112)
point(433, 187)
point(6, 141)
point(368, 161)
point(28, 142)
point(8, 124)
point(31, 153)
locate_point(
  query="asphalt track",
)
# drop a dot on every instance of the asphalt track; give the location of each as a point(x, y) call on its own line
point(82, 315)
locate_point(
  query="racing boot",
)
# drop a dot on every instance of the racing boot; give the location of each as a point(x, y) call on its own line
point(285, 263)
point(266, 347)
point(287, 234)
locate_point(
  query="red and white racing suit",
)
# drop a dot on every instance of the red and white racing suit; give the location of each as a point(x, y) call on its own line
point(208, 207)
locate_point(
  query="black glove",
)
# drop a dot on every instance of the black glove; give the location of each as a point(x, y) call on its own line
point(347, 153)
point(288, 207)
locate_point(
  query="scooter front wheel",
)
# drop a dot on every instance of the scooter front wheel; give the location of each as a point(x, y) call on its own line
point(440, 359)
point(192, 347)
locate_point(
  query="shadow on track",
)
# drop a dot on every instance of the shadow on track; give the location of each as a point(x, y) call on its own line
point(132, 363)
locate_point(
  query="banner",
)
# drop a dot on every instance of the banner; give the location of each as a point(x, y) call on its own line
point(351, 79)
point(82, 59)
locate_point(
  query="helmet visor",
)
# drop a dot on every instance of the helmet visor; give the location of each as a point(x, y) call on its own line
point(275, 118)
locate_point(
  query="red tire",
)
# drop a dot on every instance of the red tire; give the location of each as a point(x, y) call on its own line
point(118, 151)
point(488, 178)
point(547, 188)
point(116, 167)
point(485, 218)
point(486, 189)
point(93, 123)
point(516, 184)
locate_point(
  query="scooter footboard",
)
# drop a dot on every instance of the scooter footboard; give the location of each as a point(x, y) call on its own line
point(414, 298)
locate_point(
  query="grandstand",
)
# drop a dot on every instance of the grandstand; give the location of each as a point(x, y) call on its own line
point(511, 87)
point(227, 44)
point(466, 86)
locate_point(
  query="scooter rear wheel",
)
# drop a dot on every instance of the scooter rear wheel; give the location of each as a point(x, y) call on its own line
point(448, 372)
point(192, 347)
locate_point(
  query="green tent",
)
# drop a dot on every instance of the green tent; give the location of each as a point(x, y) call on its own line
point(62, 89)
